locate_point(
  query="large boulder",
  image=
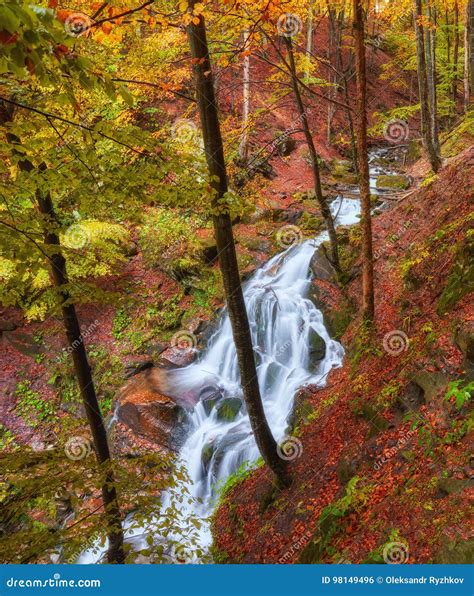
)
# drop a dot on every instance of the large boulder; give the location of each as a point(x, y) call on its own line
point(317, 348)
point(228, 409)
point(465, 341)
point(151, 415)
point(393, 182)
point(177, 357)
point(321, 266)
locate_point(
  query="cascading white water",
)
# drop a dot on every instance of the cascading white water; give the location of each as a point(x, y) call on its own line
point(283, 321)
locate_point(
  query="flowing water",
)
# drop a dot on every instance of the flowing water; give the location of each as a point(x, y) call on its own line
point(284, 324)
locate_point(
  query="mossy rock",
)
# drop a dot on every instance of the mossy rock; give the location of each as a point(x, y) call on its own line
point(393, 182)
point(342, 171)
point(228, 409)
point(431, 383)
point(311, 223)
point(449, 486)
point(207, 249)
point(338, 320)
point(460, 552)
point(461, 278)
point(464, 339)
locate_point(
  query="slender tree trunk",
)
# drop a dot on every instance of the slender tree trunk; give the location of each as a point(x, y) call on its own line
point(426, 124)
point(456, 54)
point(244, 140)
point(468, 53)
point(115, 553)
point(323, 205)
point(368, 303)
point(225, 244)
point(431, 69)
point(309, 36)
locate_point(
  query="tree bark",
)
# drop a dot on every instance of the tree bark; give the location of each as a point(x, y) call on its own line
point(244, 144)
point(225, 244)
point(323, 205)
point(431, 70)
point(456, 54)
point(309, 36)
point(57, 262)
point(426, 123)
point(468, 53)
point(368, 303)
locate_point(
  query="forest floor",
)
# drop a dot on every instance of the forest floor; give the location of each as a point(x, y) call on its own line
point(381, 455)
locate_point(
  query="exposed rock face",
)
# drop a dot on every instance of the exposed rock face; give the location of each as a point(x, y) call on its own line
point(465, 341)
point(176, 357)
point(150, 415)
point(321, 266)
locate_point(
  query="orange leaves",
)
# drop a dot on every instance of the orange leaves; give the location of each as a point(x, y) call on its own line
point(106, 28)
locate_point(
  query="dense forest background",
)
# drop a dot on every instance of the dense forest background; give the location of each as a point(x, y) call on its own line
point(155, 156)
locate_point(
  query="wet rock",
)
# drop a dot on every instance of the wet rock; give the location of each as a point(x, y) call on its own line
point(133, 368)
point(317, 347)
point(155, 349)
point(228, 409)
point(206, 455)
point(209, 396)
point(321, 266)
point(175, 357)
point(150, 415)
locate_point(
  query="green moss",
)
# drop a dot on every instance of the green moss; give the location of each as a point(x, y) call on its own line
point(393, 182)
point(461, 278)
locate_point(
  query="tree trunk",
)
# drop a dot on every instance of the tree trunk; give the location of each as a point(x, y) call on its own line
point(225, 244)
point(468, 53)
point(431, 69)
point(456, 54)
point(323, 205)
point(115, 552)
point(426, 123)
point(309, 36)
point(244, 144)
point(368, 304)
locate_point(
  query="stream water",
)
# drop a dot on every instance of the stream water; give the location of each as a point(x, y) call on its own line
point(284, 323)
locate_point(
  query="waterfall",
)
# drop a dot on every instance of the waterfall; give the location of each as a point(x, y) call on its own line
point(283, 321)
